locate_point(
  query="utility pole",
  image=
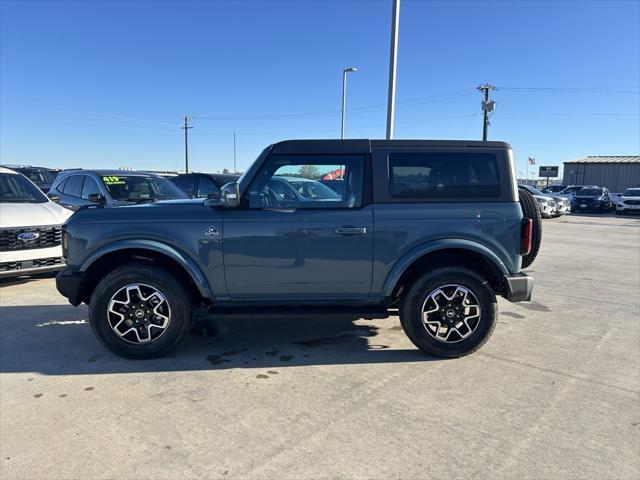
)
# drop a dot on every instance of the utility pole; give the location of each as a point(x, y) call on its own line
point(391, 99)
point(235, 170)
point(488, 106)
point(186, 142)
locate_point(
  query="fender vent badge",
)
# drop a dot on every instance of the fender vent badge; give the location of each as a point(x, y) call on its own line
point(211, 232)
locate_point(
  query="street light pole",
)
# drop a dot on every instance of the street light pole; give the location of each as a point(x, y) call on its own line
point(344, 96)
point(391, 100)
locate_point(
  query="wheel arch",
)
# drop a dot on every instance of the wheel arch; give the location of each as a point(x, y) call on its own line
point(443, 253)
point(114, 254)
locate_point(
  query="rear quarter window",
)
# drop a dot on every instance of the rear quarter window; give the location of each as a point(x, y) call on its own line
point(443, 175)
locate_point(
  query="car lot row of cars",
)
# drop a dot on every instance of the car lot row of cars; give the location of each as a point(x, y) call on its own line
point(557, 200)
point(30, 233)
point(596, 199)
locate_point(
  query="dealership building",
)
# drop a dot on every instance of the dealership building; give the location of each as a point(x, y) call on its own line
point(613, 172)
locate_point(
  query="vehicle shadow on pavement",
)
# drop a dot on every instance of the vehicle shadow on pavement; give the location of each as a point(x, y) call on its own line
point(57, 340)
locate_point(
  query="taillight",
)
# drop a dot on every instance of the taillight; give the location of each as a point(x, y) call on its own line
point(527, 236)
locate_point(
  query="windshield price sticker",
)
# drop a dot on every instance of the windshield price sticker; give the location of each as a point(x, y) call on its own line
point(111, 180)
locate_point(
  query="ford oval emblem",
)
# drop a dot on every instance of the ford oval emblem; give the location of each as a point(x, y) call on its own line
point(28, 236)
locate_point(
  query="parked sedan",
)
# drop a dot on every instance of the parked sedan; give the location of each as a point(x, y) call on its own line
point(199, 185)
point(630, 201)
point(75, 189)
point(595, 199)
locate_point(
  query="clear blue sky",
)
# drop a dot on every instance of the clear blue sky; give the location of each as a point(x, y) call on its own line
point(105, 84)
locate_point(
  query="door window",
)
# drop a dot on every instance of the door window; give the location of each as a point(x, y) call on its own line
point(89, 187)
point(186, 183)
point(299, 182)
point(73, 185)
point(207, 186)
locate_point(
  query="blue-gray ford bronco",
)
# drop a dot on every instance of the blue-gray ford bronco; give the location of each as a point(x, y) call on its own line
point(431, 229)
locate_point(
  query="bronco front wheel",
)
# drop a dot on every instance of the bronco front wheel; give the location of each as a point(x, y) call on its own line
point(449, 312)
point(140, 311)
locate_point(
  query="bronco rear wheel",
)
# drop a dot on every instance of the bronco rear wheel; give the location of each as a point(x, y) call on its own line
point(140, 311)
point(449, 312)
point(530, 210)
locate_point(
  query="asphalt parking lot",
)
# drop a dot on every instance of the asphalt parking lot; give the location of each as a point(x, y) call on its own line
point(554, 393)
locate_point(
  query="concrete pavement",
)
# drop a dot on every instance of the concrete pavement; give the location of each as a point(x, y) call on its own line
point(553, 394)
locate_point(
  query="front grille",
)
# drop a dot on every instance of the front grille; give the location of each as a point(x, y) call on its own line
point(631, 202)
point(26, 264)
point(48, 236)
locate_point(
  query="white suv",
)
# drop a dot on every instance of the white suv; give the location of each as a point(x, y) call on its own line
point(629, 202)
point(30, 227)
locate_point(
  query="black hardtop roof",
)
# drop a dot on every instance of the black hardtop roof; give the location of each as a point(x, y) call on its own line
point(366, 145)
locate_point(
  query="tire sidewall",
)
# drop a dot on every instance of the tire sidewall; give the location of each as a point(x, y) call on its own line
point(411, 312)
point(175, 294)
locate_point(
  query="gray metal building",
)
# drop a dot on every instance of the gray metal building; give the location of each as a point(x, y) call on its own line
point(613, 172)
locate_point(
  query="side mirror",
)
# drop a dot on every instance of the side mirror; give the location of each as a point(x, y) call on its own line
point(53, 198)
point(230, 195)
point(213, 200)
point(97, 198)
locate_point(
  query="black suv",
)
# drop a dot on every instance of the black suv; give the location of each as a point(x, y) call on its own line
point(74, 189)
point(42, 177)
point(201, 185)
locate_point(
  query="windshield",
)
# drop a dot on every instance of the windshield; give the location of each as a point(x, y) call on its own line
point(315, 190)
point(590, 192)
point(14, 188)
point(139, 188)
point(632, 192)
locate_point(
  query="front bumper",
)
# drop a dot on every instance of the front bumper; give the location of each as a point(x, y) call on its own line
point(31, 267)
point(593, 207)
point(624, 207)
point(69, 284)
point(518, 287)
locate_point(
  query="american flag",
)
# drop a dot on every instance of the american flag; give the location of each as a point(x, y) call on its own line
point(532, 161)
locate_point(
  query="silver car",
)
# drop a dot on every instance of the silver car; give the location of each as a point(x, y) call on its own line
point(551, 204)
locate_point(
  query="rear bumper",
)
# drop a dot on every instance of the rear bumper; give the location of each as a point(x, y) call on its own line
point(519, 287)
point(69, 284)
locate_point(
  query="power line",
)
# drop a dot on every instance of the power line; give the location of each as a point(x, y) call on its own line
point(328, 113)
point(587, 90)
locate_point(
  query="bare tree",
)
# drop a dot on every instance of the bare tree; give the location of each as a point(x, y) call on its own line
point(309, 171)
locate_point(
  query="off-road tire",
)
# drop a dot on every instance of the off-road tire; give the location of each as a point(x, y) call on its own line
point(411, 311)
point(530, 210)
point(178, 298)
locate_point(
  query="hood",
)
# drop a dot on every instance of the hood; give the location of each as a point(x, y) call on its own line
point(544, 197)
point(587, 197)
point(32, 214)
point(161, 203)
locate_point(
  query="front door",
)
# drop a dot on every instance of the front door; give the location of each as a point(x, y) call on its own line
point(302, 231)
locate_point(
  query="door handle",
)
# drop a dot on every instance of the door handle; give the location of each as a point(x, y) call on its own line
point(350, 231)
